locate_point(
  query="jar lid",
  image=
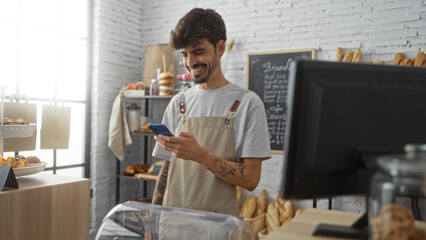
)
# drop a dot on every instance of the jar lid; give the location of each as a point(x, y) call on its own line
point(413, 162)
point(133, 106)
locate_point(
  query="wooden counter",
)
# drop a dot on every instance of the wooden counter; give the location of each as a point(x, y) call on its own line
point(46, 206)
point(301, 227)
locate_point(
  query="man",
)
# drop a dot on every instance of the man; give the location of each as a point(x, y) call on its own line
point(221, 134)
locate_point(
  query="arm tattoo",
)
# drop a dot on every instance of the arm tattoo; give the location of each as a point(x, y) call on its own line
point(241, 168)
point(160, 187)
point(225, 169)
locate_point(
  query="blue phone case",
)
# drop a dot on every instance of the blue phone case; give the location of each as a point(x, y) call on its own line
point(158, 128)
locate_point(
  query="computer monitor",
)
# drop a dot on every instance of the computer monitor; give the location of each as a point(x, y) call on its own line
point(340, 117)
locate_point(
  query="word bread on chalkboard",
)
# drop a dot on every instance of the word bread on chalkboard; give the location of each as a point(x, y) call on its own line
point(268, 76)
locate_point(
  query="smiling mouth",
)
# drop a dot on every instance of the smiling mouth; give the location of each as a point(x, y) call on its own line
point(197, 69)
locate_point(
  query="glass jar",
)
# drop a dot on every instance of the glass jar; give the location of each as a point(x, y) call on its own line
point(397, 208)
point(134, 117)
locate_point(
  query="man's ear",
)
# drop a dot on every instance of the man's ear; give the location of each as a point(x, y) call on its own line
point(220, 48)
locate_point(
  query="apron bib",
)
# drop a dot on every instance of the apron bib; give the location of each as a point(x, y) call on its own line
point(190, 185)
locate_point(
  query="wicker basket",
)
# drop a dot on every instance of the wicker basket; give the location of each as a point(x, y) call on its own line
point(256, 224)
point(262, 233)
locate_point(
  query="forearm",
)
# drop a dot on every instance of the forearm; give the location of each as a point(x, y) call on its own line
point(161, 184)
point(245, 174)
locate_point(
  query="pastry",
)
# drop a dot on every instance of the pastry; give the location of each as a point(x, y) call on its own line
point(357, 56)
point(393, 222)
point(262, 203)
point(398, 58)
point(348, 56)
point(420, 59)
point(339, 54)
point(130, 170)
point(20, 164)
point(141, 168)
point(32, 159)
point(378, 61)
point(272, 218)
point(248, 207)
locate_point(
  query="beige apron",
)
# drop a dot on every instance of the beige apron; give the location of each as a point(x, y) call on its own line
point(190, 185)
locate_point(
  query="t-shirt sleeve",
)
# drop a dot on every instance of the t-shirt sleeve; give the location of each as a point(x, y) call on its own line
point(256, 135)
point(169, 119)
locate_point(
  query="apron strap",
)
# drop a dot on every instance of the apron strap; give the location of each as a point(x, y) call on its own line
point(235, 107)
point(182, 108)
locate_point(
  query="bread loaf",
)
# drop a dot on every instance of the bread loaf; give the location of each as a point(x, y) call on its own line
point(339, 54)
point(357, 56)
point(239, 193)
point(285, 209)
point(248, 207)
point(298, 212)
point(272, 218)
point(398, 58)
point(348, 56)
point(420, 59)
point(130, 170)
point(262, 203)
point(406, 62)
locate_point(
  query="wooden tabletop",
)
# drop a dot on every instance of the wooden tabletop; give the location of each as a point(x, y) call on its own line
point(41, 180)
point(301, 227)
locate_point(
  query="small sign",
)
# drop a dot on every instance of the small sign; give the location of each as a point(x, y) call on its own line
point(156, 170)
point(7, 178)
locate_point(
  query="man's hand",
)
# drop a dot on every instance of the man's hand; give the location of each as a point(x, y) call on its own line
point(184, 146)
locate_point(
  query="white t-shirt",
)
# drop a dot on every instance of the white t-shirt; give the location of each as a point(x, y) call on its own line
point(251, 136)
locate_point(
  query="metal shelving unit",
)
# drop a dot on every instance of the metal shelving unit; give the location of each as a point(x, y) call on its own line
point(147, 102)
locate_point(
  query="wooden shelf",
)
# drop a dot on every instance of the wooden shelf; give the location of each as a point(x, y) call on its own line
point(140, 176)
point(137, 133)
point(149, 97)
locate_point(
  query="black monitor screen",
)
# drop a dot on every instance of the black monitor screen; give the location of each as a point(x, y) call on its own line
point(342, 115)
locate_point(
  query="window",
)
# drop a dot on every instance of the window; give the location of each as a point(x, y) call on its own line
point(44, 49)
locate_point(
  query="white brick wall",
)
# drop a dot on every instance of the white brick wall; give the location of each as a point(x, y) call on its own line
point(123, 29)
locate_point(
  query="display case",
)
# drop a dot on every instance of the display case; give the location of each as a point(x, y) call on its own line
point(137, 220)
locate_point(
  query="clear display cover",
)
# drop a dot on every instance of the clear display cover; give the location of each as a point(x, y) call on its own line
point(137, 220)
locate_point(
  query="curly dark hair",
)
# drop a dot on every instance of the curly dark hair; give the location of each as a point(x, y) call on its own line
point(196, 25)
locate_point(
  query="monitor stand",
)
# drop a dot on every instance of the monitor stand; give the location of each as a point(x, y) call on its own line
point(358, 230)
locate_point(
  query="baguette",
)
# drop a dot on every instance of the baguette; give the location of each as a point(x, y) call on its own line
point(272, 218)
point(248, 207)
point(420, 59)
point(406, 62)
point(357, 56)
point(262, 203)
point(239, 193)
point(348, 56)
point(285, 209)
point(339, 54)
point(398, 58)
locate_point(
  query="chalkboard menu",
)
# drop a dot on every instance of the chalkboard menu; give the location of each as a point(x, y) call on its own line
point(268, 75)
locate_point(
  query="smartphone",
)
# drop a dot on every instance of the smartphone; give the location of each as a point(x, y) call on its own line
point(158, 128)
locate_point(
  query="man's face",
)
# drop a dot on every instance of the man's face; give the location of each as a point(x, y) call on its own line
point(202, 61)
